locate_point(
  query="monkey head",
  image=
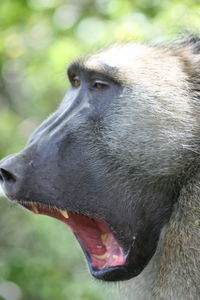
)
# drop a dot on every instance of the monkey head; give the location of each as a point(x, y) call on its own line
point(110, 161)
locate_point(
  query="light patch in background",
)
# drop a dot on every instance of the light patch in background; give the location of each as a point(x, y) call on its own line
point(91, 30)
point(27, 126)
point(66, 16)
point(107, 6)
point(10, 291)
point(14, 45)
point(1, 192)
point(43, 3)
point(13, 71)
point(39, 35)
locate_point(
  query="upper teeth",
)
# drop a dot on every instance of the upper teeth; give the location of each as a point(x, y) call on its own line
point(64, 214)
point(104, 237)
point(34, 208)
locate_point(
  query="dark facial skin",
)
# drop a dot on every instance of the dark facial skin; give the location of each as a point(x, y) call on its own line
point(104, 154)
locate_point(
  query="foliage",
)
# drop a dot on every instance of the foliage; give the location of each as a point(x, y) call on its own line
point(39, 258)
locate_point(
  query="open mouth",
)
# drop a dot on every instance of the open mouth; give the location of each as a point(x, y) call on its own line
point(101, 248)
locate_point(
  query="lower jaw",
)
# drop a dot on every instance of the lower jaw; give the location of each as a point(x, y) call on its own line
point(118, 273)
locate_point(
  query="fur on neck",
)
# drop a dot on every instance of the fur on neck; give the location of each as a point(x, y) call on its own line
point(174, 271)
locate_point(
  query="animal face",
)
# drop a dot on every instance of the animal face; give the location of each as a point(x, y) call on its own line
point(111, 160)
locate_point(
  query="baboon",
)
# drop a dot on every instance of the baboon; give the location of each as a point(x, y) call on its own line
point(118, 162)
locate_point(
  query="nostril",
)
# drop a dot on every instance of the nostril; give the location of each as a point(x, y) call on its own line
point(7, 176)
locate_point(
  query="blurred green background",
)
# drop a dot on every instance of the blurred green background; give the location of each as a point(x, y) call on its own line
point(39, 257)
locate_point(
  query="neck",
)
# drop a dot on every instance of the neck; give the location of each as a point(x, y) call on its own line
point(174, 271)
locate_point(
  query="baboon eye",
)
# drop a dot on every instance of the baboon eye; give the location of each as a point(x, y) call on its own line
point(98, 84)
point(76, 81)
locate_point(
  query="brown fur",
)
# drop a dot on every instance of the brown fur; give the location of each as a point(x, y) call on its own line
point(174, 271)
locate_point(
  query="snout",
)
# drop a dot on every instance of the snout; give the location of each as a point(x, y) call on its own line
point(11, 175)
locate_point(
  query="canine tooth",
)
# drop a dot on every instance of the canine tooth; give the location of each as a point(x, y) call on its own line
point(34, 209)
point(104, 237)
point(101, 257)
point(64, 214)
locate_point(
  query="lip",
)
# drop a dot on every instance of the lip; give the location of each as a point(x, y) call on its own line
point(118, 273)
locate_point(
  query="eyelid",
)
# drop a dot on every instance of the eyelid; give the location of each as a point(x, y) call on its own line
point(102, 83)
point(75, 81)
